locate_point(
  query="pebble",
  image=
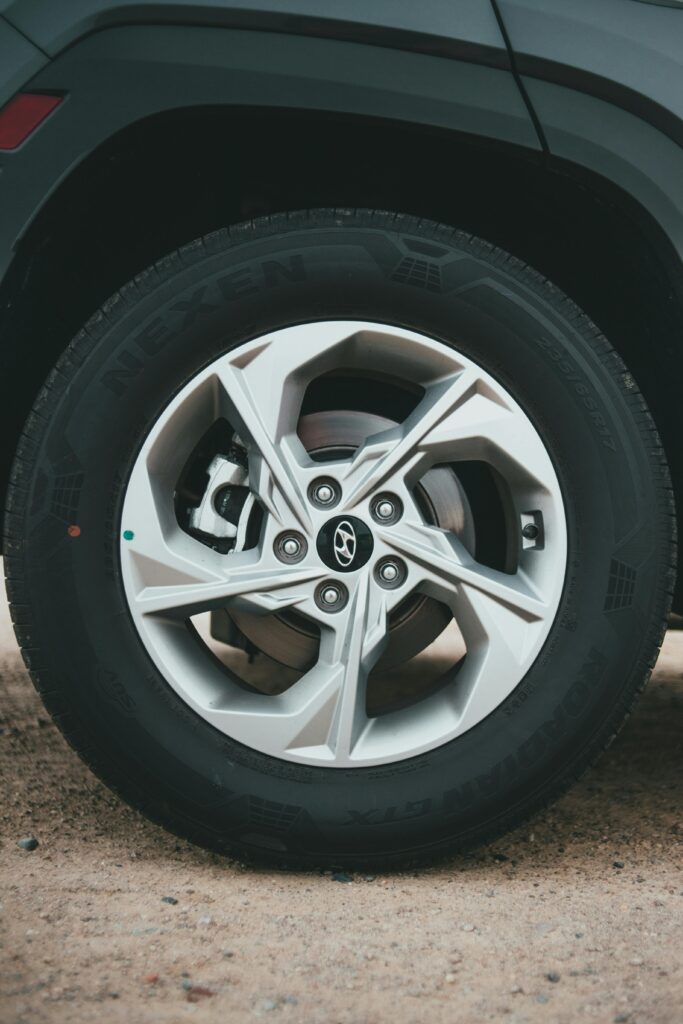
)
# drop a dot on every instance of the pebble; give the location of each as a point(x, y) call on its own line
point(621, 1018)
point(341, 876)
point(542, 998)
point(450, 978)
point(169, 899)
point(617, 864)
point(553, 976)
point(636, 961)
point(269, 1004)
point(468, 927)
point(150, 979)
point(28, 843)
point(197, 992)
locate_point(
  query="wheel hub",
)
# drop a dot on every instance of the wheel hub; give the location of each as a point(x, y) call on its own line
point(288, 639)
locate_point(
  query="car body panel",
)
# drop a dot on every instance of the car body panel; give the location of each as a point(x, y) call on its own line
point(600, 76)
point(624, 52)
point(19, 61)
point(469, 23)
point(119, 76)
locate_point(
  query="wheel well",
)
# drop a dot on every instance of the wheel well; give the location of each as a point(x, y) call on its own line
point(168, 179)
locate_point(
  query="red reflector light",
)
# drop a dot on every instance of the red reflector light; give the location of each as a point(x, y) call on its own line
point(22, 115)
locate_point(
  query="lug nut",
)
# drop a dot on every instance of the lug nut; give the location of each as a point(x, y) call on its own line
point(290, 547)
point(324, 492)
point(389, 572)
point(386, 509)
point(331, 596)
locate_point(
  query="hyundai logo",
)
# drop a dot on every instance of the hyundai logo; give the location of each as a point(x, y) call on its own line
point(345, 543)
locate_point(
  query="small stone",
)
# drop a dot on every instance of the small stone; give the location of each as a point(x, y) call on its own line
point(450, 978)
point(621, 1018)
point(553, 976)
point(290, 1000)
point(468, 927)
point(197, 992)
point(369, 878)
point(542, 998)
point(636, 961)
point(341, 876)
point(617, 864)
point(169, 899)
point(228, 954)
point(186, 984)
point(150, 979)
point(27, 843)
point(206, 920)
point(516, 989)
point(269, 1004)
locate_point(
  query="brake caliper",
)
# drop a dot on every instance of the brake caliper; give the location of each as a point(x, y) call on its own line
point(225, 503)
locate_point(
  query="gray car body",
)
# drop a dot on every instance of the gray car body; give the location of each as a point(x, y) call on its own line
point(598, 83)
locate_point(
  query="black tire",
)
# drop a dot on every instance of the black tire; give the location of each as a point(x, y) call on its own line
point(88, 422)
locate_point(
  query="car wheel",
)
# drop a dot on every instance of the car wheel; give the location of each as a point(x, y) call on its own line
point(339, 537)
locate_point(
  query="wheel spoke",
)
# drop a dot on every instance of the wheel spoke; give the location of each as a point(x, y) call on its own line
point(404, 448)
point(262, 394)
point(259, 585)
point(155, 549)
point(274, 455)
point(324, 713)
point(460, 417)
point(441, 561)
point(349, 647)
point(499, 615)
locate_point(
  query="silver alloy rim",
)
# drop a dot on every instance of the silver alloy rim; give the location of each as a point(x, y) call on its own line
point(169, 575)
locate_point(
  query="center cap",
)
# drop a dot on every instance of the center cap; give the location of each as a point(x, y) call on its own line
point(344, 543)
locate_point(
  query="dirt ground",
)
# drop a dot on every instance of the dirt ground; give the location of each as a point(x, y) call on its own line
point(577, 916)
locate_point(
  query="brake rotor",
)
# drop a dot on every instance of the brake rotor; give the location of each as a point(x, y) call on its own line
point(289, 638)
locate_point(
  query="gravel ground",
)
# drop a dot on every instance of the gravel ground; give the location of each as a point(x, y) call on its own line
point(577, 916)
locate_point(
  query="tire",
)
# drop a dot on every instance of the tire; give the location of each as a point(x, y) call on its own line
point(79, 448)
